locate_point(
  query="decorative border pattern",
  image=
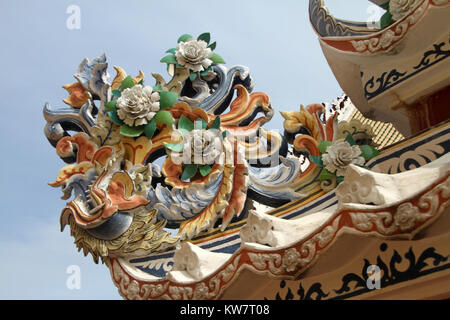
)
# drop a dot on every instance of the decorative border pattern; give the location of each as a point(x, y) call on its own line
point(328, 26)
point(391, 275)
point(390, 36)
point(384, 40)
point(423, 148)
point(134, 289)
point(403, 220)
point(388, 80)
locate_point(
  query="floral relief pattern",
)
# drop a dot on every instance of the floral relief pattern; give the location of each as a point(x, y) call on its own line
point(291, 259)
point(406, 216)
point(400, 8)
point(390, 35)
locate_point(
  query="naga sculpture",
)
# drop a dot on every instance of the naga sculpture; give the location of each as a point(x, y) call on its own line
point(152, 166)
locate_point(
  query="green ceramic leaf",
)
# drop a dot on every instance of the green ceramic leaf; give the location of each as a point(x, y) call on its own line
point(317, 160)
point(386, 20)
point(205, 37)
point(368, 152)
point(169, 59)
point(171, 50)
point(205, 170)
point(163, 116)
point(212, 46)
point(167, 99)
point(189, 171)
point(217, 59)
point(128, 82)
point(216, 123)
point(178, 147)
point(150, 129)
point(200, 124)
point(323, 145)
point(131, 131)
point(184, 38)
point(350, 140)
point(385, 6)
point(116, 93)
point(193, 76)
point(185, 124)
point(224, 134)
point(111, 105)
point(157, 88)
point(114, 116)
point(326, 175)
point(205, 72)
point(339, 179)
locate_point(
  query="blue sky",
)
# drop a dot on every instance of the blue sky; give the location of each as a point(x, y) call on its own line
point(39, 54)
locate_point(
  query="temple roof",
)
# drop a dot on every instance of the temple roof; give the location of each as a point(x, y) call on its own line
point(387, 70)
point(184, 194)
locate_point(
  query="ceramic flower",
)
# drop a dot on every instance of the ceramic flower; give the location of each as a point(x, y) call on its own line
point(340, 155)
point(200, 149)
point(196, 55)
point(337, 155)
point(137, 105)
point(138, 108)
point(399, 8)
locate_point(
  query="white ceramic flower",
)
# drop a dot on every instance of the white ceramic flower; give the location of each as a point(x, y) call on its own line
point(340, 155)
point(137, 105)
point(200, 147)
point(399, 8)
point(194, 54)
